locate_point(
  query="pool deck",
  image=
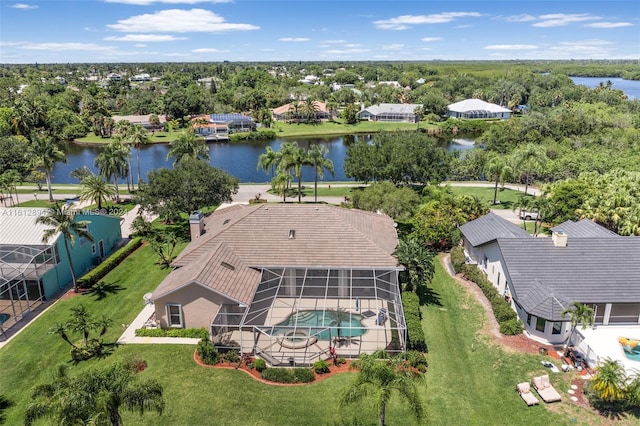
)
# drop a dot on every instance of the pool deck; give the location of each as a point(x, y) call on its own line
point(604, 342)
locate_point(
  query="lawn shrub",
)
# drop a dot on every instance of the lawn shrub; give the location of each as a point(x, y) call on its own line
point(458, 259)
point(260, 364)
point(504, 314)
point(321, 367)
point(342, 361)
point(194, 333)
point(80, 352)
point(97, 273)
point(288, 375)
point(207, 353)
point(232, 356)
point(417, 360)
point(303, 375)
point(412, 315)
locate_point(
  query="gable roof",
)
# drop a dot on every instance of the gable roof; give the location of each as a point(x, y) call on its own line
point(18, 226)
point(392, 109)
point(476, 105)
point(489, 228)
point(241, 239)
point(283, 109)
point(584, 229)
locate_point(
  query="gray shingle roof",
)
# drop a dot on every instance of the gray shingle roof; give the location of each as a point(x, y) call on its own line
point(489, 228)
point(584, 229)
point(587, 270)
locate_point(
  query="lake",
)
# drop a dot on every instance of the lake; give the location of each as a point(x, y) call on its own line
point(238, 160)
point(630, 87)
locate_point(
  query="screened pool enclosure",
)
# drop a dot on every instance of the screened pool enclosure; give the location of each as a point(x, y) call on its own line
point(297, 315)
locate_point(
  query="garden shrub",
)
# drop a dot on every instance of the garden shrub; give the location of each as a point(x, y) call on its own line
point(303, 375)
point(289, 375)
point(135, 363)
point(97, 273)
point(511, 327)
point(207, 353)
point(194, 333)
point(412, 315)
point(260, 364)
point(321, 367)
point(417, 360)
point(80, 352)
point(342, 361)
point(231, 356)
point(458, 259)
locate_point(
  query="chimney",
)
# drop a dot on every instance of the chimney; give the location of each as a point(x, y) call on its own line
point(559, 239)
point(196, 224)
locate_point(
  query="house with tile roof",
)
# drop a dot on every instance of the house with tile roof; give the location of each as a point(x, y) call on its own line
point(296, 111)
point(288, 282)
point(477, 108)
point(582, 262)
point(32, 270)
point(391, 112)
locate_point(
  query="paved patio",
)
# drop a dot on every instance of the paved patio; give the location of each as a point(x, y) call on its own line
point(603, 342)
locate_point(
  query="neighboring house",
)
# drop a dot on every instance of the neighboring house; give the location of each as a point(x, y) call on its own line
point(286, 282)
point(296, 111)
point(32, 271)
point(219, 126)
point(391, 112)
point(582, 262)
point(141, 77)
point(476, 108)
point(142, 120)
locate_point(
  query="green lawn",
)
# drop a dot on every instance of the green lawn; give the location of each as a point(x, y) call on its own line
point(156, 137)
point(507, 197)
point(337, 127)
point(469, 381)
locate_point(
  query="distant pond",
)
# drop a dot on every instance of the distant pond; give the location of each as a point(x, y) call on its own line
point(631, 88)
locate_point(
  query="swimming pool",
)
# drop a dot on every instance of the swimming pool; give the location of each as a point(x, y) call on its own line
point(4, 317)
point(631, 351)
point(350, 327)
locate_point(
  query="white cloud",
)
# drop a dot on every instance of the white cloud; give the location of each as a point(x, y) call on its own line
point(428, 39)
point(392, 46)
point(562, 19)
point(511, 47)
point(146, 38)
point(609, 24)
point(520, 18)
point(267, 50)
point(294, 39)
point(23, 6)
point(150, 2)
point(583, 49)
point(178, 21)
point(333, 41)
point(404, 22)
point(345, 51)
point(59, 47)
point(206, 50)
point(140, 45)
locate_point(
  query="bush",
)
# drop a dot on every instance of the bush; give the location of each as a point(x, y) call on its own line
point(303, 375)
point(289, 375)
point(135, 363)
point(232, 356)
point(511, 327)
point(321, 367)
point(417, 360)
point(207, 353)
point(260, 365)
point(80, 352)
point(342, 361)
point(458, 259)
point(97, 273)
point(195, 333)
point(412, 315)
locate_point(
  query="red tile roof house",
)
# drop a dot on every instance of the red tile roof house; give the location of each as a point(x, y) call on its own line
point(290, 112)
point(288, 282)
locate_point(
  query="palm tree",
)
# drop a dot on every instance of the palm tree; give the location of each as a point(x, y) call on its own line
point(280, 184)
point(96, 190)
point(417, 261)
point(138, 137)
point(60, 219)
point(320, 164)
point(295, 159)
point(80, 173)
point(339, 315)
point(112, 162)
point(497, 168)
point(268, 161)
point(381, 376)
point(43, 154)
point(529, 159)
point(578, 314)
point(97, 396)
point(187, 146)
point(609, 381)
point(82, 322)
point(61, 330)
point(523, 204)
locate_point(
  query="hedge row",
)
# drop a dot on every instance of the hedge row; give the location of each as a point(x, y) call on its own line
point(93, 276)
point(458, 259)
point(288, 375)
point(505, 315)
point(196, 333)
point(413, 317)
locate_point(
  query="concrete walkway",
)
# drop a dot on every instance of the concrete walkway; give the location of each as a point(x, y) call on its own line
point(129, 335)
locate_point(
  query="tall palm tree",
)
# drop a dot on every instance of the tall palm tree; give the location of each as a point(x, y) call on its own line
point(417, 261)
point(43, 154)
point(60, 218)
point(381, 376)
point(268, 161)
point(82, 322)
point(294, 160)
point(80, 173)
point(187, 146)
point(579, 313)
point(112, 162)
point(139, 136)
point(529, 159)
point(96, 396)
point(96, 190)
point(499, 169)
point(280, 184)
point(610, 380)
point(523, 203)
point(320, 164)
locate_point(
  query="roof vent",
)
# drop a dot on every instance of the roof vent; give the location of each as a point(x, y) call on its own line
point(228, 266)
point(292, 234)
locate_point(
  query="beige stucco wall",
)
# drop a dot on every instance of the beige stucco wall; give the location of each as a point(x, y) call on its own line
point(199, 306)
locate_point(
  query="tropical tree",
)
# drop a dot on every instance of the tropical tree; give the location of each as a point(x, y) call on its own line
point(268, 161)
point(280, 184)
point(498, 169)
point(138, 137)
point(43, 154)
point(60, 218)
point(529, 159)
point(112, 162)
point(80, 173)
point(187, 146)
point(523, 204)
point(339, 315)
point(96, 190)
point(61, 330)
point(417, 261)
point(96, 397)
point(320, 163)
point(295, 160)
point(610, 380)
point(381, 376)
point(82, 322)
point(578, 313)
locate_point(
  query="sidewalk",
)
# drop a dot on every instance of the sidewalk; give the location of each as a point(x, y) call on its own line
point(129, 335)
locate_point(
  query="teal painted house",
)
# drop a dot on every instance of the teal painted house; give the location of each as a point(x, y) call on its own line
point(32, 271)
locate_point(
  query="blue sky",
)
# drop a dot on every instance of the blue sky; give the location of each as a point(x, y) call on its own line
point(60, 31)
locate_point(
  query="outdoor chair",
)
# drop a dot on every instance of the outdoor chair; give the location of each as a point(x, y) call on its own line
point(524, 389)
point(544, 388)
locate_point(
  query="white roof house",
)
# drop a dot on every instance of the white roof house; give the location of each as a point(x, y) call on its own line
point(391, 112)
point(477, 108)
point(18, 226)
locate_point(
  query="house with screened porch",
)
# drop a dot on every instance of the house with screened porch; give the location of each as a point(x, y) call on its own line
point(288, 282)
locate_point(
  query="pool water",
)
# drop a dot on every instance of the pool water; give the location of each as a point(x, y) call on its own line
point(352, 327)
point(631, 353)
point(4, 317)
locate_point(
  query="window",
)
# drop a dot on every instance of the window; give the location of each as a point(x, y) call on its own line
point(93, 249)
point(174, 315)
point(557, 328)
point(540, 324)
